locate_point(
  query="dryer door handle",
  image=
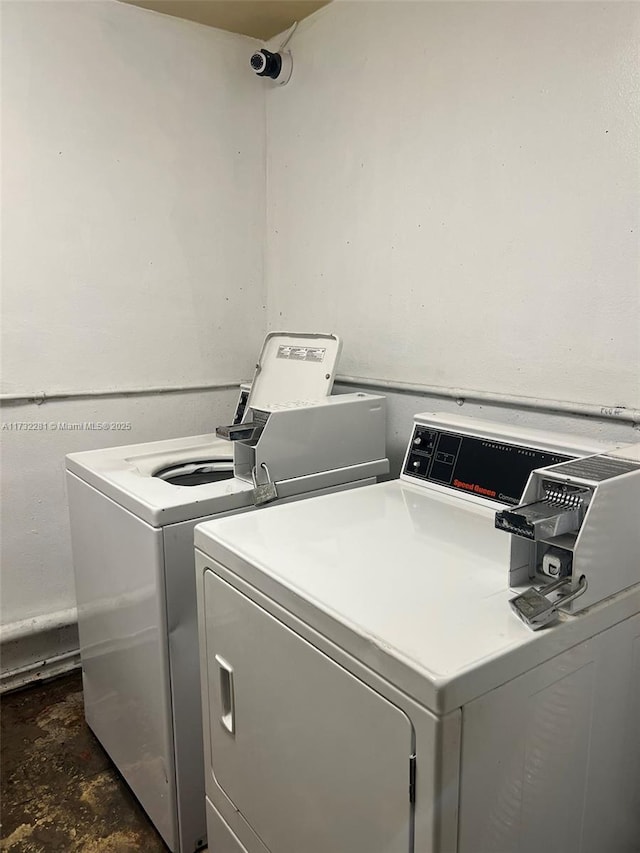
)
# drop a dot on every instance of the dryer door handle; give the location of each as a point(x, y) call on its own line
point(227, 695)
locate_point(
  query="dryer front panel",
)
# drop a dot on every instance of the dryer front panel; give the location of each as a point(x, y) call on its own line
point(314, 759)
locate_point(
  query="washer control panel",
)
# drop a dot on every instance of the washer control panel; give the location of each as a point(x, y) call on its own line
point(494, 470)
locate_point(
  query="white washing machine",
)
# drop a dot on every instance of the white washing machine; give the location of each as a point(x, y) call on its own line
point(378, 677)
point(132, 512)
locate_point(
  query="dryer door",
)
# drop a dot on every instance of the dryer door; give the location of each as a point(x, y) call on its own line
point(313, 758)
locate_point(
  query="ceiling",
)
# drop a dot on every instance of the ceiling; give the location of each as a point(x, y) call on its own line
point(261, 19)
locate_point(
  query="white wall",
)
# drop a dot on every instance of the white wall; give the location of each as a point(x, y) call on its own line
point(451, 186)
point(454, 187)
point(133, 226)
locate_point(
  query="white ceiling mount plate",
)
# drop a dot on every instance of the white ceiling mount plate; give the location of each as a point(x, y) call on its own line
point(294, 367)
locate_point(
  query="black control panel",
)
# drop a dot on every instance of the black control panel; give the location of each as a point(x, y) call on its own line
point(490, 469)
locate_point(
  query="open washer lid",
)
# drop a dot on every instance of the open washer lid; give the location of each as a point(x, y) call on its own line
point(294, 366)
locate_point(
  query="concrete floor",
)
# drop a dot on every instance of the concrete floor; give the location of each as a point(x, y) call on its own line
point(59, 790)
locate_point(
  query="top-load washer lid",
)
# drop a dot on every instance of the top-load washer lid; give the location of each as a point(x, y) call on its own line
point(294, 367)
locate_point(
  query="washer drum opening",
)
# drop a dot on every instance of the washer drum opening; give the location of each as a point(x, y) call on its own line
point(197, 473)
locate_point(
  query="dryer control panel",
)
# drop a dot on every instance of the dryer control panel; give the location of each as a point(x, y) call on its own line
point(485, 460)
point(490, 469)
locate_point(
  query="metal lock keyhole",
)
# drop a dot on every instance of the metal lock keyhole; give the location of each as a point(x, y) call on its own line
point(266, 492)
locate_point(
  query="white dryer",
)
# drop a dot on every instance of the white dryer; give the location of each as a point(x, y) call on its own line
point(368, 686)
point(132, 512)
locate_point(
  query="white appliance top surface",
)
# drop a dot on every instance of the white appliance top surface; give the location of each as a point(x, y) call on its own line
point(125, 474)
point(411, 582)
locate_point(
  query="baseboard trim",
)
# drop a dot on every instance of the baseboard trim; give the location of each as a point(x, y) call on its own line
point(38, 649)
point(38, 671)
